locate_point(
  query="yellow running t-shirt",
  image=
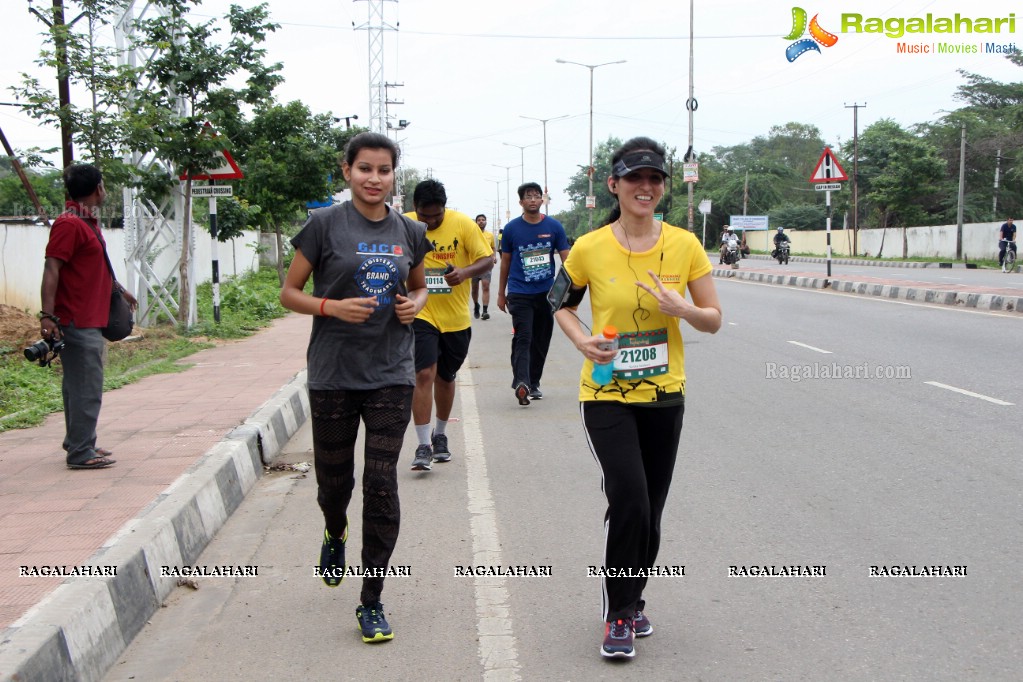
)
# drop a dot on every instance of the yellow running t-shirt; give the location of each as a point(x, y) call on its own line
point(651, 359)
point(458, 241)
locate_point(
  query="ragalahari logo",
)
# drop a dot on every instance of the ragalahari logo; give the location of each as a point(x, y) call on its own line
point(803, 45)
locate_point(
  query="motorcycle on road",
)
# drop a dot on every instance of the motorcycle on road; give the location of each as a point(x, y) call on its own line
point(781, 252)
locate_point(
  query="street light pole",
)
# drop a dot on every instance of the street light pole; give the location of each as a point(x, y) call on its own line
point(507, 172)
point(589, 169)
point(497, 197)
point(546, 193)
point(522, 158)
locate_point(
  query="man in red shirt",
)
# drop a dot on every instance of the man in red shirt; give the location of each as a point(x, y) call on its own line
point(76, 304)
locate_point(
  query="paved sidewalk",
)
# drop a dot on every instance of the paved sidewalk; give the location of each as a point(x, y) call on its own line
point(188, 446)
point(958, 294)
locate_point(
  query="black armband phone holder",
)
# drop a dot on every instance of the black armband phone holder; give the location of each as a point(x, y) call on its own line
point(563, 294)
point(574, 297)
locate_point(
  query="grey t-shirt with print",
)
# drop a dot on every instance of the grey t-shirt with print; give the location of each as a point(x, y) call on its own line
point(356, 257)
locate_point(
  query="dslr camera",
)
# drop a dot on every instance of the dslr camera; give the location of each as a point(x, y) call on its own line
point(44, 351)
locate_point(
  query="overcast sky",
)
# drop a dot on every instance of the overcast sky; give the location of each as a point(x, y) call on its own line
point(471, 69)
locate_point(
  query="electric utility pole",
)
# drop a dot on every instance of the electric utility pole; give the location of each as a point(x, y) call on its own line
point(856, 175)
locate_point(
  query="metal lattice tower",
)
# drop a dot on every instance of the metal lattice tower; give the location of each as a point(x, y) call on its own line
point(375, 26)
point(152, 231)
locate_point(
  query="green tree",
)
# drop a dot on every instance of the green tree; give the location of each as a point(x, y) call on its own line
point(577, 220)
point(764, 176)
point(901, 176)
point(993, 118)
point(292, 158)
point(191, 65)
point(406, 183)
point(14, 200)
point(800, 216)
point(235, 215)
point(97, 128)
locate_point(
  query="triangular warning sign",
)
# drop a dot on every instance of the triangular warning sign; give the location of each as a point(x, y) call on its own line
point(828, 168)
point(227, 168)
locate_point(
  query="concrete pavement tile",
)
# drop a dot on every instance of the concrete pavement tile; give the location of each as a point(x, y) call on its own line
point(162, 470)
point(57, 543)
point(18, 525)
point(27, 589)
point(98, 526)
point(88, 486)
point(10, 612)
point(127, 494)
point(36, 504)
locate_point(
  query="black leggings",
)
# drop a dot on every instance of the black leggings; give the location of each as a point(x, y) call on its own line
point(635, 448)
point(335, 417)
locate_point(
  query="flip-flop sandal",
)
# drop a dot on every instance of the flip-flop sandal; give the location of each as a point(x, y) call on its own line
point(94, 463)
point(103, 452)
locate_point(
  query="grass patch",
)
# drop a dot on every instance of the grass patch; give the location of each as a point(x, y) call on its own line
point(247, 304)
point(29, 392)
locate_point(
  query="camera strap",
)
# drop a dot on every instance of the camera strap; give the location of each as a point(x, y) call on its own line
point(106, 257)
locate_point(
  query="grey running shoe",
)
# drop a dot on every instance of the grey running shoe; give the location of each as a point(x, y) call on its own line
point(641, 625)
point(618, 640)
point(424, 457)
point(522, 393)
point(440, 448)
point(535, 394)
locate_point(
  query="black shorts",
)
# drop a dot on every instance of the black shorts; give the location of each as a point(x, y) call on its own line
point(447, 350)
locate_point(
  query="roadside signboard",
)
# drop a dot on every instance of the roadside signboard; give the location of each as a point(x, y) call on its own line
point(212, 191)
point(828, 169)
point(748, 222)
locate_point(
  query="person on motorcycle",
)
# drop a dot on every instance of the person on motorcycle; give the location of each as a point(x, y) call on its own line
point(726, 237)
point(779, 238)
point(1007, 235)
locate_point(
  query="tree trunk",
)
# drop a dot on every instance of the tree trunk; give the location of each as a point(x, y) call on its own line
point(280, 253)
point(884, 231)
point(184, 298)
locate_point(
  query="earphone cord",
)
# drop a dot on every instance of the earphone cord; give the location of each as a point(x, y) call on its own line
point(643, 312)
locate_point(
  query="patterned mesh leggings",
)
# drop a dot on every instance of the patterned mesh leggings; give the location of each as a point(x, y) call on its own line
point(336, 415)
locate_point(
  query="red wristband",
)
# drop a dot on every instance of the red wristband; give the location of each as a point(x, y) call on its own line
point(323, 303)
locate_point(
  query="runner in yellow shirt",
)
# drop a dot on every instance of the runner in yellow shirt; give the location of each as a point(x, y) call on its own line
point(443, 328)
point(637, 270)
point(483, 281)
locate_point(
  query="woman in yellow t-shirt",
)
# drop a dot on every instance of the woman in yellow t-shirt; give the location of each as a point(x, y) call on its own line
point(637, 270)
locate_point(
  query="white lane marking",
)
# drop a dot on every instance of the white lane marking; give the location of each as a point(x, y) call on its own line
point(819, 350)
point(996, 401)
point(497, 644)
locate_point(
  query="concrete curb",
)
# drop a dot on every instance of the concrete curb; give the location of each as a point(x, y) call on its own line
point(940, 296)
point(80, 629)
point(856, 261)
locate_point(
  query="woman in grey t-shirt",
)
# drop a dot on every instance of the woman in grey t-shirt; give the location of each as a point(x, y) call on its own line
point(369, 283)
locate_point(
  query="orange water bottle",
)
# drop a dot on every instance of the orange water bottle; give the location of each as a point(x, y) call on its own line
point(601, 374)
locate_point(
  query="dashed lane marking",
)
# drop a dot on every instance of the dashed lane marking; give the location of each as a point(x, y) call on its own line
point(996, 401)
point(813, 348)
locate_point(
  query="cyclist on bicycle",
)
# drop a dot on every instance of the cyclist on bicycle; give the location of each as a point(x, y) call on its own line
point(1007, 239)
